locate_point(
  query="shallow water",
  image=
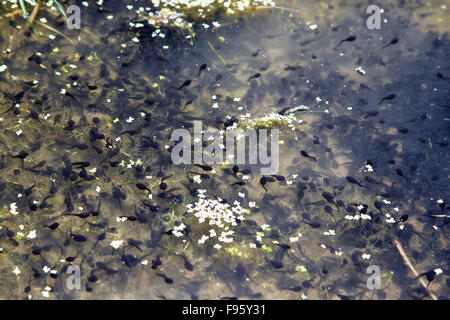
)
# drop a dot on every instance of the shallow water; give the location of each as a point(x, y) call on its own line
point(138, 82)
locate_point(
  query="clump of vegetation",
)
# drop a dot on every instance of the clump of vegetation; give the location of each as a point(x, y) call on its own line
point(184, 13)
point(52, 5)
point(274, 120)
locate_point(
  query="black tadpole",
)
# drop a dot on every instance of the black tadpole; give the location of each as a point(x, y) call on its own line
point(185, 84)
point(202, 67)
point(354, 181)
point(142, 186)
point(256, 75)
point(263, 182)
point(235, 169)
point(388, 97)
point(348, 39)
point(393, 41)
point(429, 275)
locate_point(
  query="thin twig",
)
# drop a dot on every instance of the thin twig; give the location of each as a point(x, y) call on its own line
point(54, 30)
point(35, 12)
point(411, 267)
point(275, 7)
point(11, 14)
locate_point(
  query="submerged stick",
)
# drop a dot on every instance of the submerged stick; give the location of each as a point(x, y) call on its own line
point(54, 30)
point(34, 13)
point(217, 54)
point(411, 267)
point(275, 7)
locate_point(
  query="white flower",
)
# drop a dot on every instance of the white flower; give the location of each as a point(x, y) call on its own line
point(390, 220)
point(13, 208)
point(32, 234)
point(116, 243)
point(3, 68)
point(360, 70)
point(16, 270)
point(203, 239)
point(366, 256)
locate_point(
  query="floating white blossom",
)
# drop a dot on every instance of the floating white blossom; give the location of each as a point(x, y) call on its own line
point(197, 179)
point(16, 270)
point(13, 208)
point(116, 243)
point(361, 70)
point(438, 271)
point(32, 234)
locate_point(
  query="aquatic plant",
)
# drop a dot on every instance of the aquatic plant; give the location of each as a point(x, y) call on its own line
point(185, 13)
point(220, 217)
point(36, 5)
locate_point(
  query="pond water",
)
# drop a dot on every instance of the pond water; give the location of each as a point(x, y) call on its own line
point(86, 176)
